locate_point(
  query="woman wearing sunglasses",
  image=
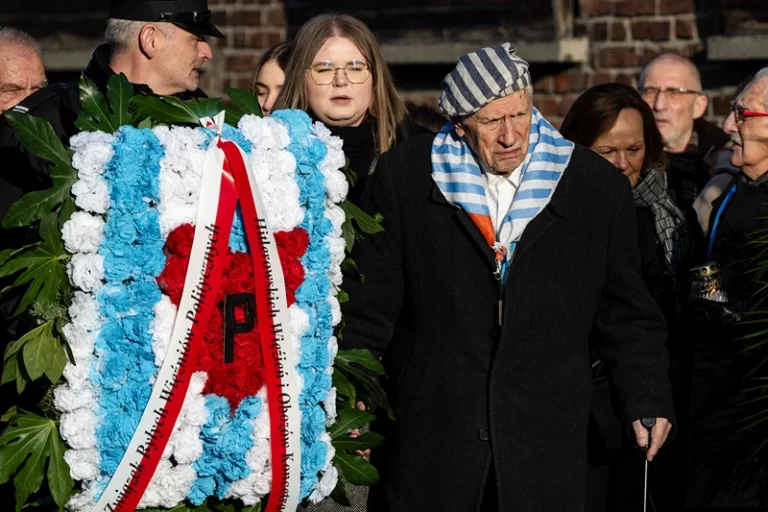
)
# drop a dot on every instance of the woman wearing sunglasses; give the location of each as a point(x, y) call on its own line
point(337, 74)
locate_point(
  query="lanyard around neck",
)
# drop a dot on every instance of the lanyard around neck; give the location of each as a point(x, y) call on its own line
point(720, 210)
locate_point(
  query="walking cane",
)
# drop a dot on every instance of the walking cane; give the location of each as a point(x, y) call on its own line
point(648, 423)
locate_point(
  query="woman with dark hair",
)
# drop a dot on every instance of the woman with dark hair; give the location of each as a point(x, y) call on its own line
point(614, 121)
point(270, 75)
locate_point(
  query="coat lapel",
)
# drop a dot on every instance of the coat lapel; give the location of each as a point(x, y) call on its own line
point(467, 225)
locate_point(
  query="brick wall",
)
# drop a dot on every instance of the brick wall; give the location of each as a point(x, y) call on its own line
point(624, 36)
point(250, 27)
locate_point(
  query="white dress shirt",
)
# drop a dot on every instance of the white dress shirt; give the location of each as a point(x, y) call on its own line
point(500, 192)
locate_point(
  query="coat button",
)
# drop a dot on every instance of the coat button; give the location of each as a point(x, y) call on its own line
point(483, 434)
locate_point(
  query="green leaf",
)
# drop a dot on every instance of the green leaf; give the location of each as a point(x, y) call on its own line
point(367, 223)
point(362, 357)
point(94, 103)
point(349, 419)
point(163, 111)
point(4, 255)
point(67, 209)
point(21, 381)
point(44, 269)
point(85, 123)
point(361, 442)
point(58, 361)
point(37, 354)
point(245, 101)
point(339, 494)
point(369, 383)
point(26, 445)
point(9, 414)
point(183, 507)
point(255, 508)
point(146, 123)
point(344, 387)
point(16, 346)
point(348, 233)
point(349, 173)
point(207, 107)
point(349, 269)
point(232, 116)
point(119, 93)
point(10, 370)
point(342, 296)
point(38, 137)
point(356, 470)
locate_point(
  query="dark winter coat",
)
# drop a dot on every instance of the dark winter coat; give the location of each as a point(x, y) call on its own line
point(469, 393)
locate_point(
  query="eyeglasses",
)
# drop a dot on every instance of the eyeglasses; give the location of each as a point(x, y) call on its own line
point(740, 114)
point(672, 93)
point(324, 73)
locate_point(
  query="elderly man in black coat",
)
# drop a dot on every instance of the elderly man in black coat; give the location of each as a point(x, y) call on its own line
point(504, 247)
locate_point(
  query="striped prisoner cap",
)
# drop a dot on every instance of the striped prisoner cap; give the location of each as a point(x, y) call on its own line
point(481, 77)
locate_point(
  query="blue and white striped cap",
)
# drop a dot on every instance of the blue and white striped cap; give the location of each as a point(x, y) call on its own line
point(481, 77)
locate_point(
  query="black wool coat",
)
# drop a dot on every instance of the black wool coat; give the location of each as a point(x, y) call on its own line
point(469, 393)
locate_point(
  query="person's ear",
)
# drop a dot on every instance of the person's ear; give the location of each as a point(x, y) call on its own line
point(460, 131)
point(151, 40)
point(700, 106)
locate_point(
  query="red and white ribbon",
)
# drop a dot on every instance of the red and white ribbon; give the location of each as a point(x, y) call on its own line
point(226, 178)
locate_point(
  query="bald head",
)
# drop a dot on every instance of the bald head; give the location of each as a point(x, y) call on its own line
point(671, 85)
point(682, 65)
point(21, 67)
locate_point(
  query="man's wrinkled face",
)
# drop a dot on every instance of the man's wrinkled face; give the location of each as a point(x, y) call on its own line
point(673, 108)
point(21, 74)
point(178, 64)
point(498, 133)
point(750, 136)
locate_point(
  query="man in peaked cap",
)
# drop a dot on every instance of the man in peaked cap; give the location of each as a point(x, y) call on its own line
point(505, 250)
point(159, 45)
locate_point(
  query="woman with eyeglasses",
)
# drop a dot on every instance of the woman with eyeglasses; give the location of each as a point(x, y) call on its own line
point(615, 122)
point(270, 75)
point(337, 74)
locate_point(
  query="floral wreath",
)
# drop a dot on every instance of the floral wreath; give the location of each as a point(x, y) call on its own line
point(118, 232)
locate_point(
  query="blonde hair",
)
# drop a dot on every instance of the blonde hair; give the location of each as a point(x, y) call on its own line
point(386, 105)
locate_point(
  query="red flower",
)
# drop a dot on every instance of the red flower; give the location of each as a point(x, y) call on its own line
point(244, 376)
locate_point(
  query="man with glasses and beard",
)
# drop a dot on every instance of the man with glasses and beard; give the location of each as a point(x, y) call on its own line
point(671, 85)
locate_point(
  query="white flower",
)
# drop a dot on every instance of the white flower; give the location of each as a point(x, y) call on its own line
point(86, 271)
point(67, 399)
point(161, 328)
point(325, 486)
point(337, 217)
point(264, 133)
point(329, 404)
point(84, 311)
point(335, 310)
point(86, 500)
point(83, 232)
point(326, 137)
point(83, 464)
point(78, 428)
point(91, 195)
point(169, 485)
point(92, 153)
point(337, 186)
point(80, 341)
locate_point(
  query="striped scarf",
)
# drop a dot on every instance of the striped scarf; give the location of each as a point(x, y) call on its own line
point(456, 170)
point(671, 229)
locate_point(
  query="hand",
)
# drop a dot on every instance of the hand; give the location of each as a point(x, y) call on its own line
point(659, 435)
point(364, 454)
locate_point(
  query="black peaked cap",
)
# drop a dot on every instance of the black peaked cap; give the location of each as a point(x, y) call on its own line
point(191, 15)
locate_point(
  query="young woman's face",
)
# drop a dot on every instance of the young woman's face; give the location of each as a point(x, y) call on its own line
point(624, 144)
point(339, 83)
point(269, 82)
